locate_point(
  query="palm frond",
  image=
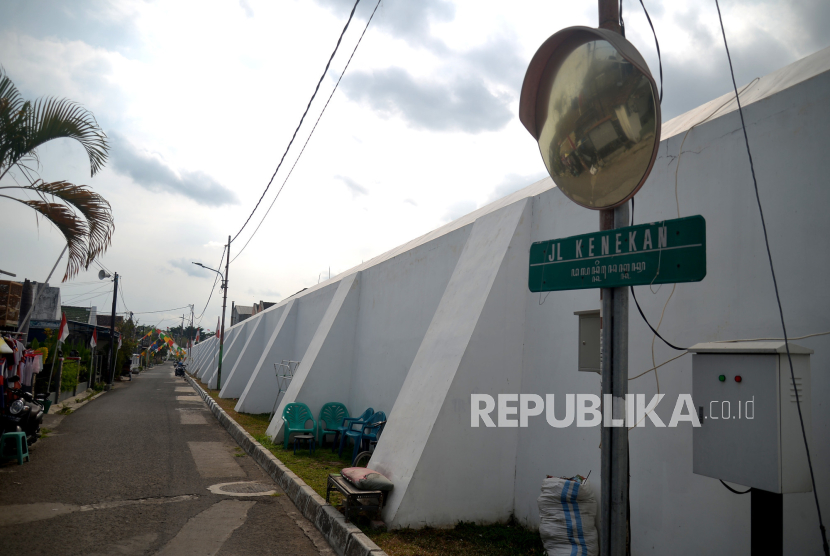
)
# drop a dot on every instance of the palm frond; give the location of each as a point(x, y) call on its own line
point(10, 98)
point(74, 229)
point(50, 118)
point(12, 121)
point(94, 208)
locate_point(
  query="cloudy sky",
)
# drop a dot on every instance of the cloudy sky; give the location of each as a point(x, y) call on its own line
point(199, 100)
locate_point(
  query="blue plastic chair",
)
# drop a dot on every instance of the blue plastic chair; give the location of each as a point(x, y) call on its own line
point(296, 415)
point(368, 433)
point(348, 423)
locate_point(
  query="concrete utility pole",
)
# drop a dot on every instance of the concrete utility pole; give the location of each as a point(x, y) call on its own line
point(614, 321)
point(112, 333)
point(224, 304)
point(190, 344)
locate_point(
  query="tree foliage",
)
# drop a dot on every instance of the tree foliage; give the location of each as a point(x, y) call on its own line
point(82, 216)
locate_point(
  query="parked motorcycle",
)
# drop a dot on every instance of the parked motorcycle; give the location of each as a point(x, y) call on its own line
point(180, 368)
point(24, 413)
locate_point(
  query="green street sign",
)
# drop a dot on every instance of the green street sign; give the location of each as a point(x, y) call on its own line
point(662, 252)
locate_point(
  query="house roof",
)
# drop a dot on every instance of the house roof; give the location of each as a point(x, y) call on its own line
point(77, 314)
point(243, 309)
point(105, 320)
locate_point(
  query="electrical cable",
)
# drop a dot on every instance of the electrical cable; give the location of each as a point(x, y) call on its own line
point(343, 32)
point(773, 339)
point(665, 341)
point(224, 249)
point(671, 345)
point(161, 311)
point(825, 546)
point(93, 290)
point(658, 366)
point(92, 297)
point(310, 134)
point(121, 293)
point(659, 58)
point(622, 23)
point(747, 491)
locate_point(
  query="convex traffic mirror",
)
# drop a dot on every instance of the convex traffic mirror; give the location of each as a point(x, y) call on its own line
point(591, 102)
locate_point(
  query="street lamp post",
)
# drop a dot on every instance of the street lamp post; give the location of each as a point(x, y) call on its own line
point(102, 275)
point(224, 304)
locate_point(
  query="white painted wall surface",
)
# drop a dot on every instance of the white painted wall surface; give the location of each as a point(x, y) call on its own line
point(230, 351)
point(260, 392)
point(264, 323)
point(417, 330)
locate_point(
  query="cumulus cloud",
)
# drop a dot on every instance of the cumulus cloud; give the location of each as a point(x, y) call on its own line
point(152, 173)
point(410, 21)
point(498, 60)
point(774, 36)
point(246, 8)
point(191, 269)
point(98, 23)
point(463, 105)
point(353, 186)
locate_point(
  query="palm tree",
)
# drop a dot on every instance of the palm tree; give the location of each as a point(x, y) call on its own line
point(83, 217)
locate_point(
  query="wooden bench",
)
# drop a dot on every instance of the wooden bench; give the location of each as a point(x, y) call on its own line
point(353, 497)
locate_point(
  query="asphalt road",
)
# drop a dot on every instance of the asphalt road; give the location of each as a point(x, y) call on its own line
point(128, 473)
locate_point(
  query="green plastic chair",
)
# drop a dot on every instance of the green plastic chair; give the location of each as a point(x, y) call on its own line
point(296, 415)
point(331, 421)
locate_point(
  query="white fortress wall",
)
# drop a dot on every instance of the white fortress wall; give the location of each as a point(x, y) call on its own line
point(671, 507)
point(260, 392)
point(416, 331)
point(251, 333)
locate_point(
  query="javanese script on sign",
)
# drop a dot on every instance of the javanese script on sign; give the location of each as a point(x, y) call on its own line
point(664, 252)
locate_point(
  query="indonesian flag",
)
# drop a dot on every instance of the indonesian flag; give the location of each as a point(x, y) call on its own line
point(63, 332)
point(94, 341)
point(197, 336)
point(218, 334)
point(119, 342)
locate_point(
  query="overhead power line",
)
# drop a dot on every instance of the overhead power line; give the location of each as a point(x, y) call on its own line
point(215, 278)
point(343, 32)
point(310, 134)
point(823, 531)
point(160, 311)
point(94, 296)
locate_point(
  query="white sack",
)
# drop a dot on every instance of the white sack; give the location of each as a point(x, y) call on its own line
point(568, 512)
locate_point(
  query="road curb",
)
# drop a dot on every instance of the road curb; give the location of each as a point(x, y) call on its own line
point(70, 403)
point(345, 538)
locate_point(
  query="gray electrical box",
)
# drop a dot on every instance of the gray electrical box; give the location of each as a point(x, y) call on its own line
point(589, 341)
point(750, 432)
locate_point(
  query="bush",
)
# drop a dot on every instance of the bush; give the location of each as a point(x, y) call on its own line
point(69, 376)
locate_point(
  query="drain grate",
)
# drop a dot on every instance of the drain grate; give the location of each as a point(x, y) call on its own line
point(242, 489)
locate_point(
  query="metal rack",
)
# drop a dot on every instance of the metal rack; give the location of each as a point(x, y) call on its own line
point(285, 371)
